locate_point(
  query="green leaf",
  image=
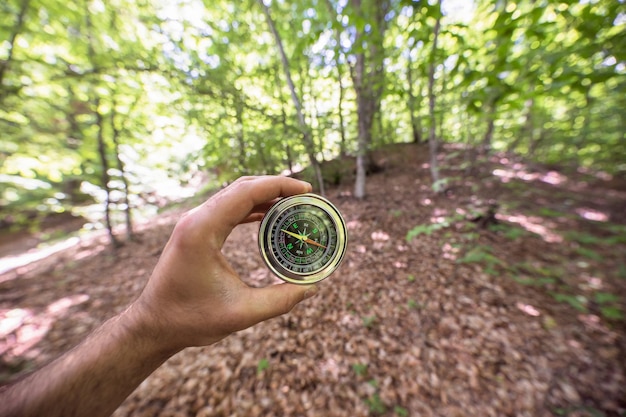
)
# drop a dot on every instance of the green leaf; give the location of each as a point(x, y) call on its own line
point(360, 369)
point(612, 313)
point(578, 302)
point(605, 297)
point(262, 365)
point(589, 253)
point(426, 229)
point(400, 411)
point(376, 404)
point(440, 185)
point(369, 321)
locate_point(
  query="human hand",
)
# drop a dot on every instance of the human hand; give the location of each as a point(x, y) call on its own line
point(194, 297)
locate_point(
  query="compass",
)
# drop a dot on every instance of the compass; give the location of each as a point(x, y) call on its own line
point(303, 238)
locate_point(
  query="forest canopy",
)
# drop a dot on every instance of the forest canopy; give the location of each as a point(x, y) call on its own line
point(135, 102)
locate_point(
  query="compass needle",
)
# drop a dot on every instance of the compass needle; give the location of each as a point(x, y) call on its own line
point(297, 236)
point(312, 242)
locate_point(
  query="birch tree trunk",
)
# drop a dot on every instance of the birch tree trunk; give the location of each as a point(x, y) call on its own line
point(432, 138)
point(364, 125)
point(368, 78)
point(306, 130)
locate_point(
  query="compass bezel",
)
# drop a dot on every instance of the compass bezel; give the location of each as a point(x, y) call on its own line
point(276, 213)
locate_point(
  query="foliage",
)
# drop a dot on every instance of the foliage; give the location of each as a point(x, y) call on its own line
point(609, 305)
point(369, 321)
point(263, 365)
point(577, 301)
point(482, 254)
point(360, 369)
point(195, 91)
point(376, 404)
point(426, 229)
point(400, 411)
point(429, 229)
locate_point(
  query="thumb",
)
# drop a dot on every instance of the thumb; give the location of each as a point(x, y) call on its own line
point(276, 300)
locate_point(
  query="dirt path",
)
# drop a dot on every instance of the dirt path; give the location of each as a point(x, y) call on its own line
point(402, 329)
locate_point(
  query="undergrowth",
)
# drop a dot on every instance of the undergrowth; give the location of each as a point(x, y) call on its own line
point(584, 249)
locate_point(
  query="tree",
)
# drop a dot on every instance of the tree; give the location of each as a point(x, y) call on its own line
point(306, 130)
point(173, 92)
point(368, 77)
point(432, 137)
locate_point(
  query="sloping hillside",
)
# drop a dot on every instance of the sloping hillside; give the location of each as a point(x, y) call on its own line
point(506, 300)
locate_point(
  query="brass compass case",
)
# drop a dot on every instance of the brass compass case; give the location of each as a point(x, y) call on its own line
point(303, 238)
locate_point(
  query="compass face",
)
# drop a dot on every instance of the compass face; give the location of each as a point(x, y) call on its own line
point(303, 238)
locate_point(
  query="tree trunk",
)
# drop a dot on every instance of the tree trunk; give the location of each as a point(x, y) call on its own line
point(306, 131)
point(527, 128)
point(283, 118)
point(260, 150)
point(432, 139)
point(315, 121)
point(289, 158)
point(487, 139)
point(104, 163)
point(364, 115)
point(368, 83)
point(4, 65)
point(240, 136)
point(342, 129)
point(415, 122)
point(586, 113)
point(442, 105)
point(122, 169)
point(535, 144)
point(468, 158)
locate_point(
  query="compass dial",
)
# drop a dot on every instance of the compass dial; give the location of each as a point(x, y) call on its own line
point(303, 238)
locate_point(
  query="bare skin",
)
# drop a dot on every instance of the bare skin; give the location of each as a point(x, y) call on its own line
point(193, 298)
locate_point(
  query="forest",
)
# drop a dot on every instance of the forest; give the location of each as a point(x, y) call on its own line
point(476, 148)
point(128, 103)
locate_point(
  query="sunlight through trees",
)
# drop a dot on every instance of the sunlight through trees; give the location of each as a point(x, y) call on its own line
point(133, 103)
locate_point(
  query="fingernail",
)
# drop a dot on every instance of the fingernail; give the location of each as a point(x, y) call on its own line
point(310, 292)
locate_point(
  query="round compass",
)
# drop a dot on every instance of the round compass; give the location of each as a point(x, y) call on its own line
point(303, 238)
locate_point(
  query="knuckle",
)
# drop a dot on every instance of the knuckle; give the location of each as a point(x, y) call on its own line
point(186, 234)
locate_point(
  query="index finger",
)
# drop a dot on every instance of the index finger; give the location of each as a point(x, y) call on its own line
point(233, 204)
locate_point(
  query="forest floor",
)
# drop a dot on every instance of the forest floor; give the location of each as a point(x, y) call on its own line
point(516, 314)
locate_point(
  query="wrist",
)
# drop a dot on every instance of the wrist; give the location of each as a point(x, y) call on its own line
point(148, 333)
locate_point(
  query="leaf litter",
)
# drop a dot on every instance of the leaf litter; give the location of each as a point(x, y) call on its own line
point(420, 327)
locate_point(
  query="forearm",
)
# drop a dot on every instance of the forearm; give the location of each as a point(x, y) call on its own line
point(93, 378)
point(193, 298)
